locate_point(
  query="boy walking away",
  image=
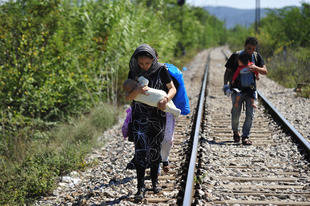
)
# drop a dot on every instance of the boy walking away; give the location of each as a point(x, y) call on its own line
point(240, 93)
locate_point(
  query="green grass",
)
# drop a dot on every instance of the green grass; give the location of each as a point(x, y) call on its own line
point(291, 70)
point(42, 160)
point(43, 151)
point(61, 58)
point(305, 92)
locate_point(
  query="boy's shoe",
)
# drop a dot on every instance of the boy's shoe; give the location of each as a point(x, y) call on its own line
point(236, 137)
point(166, 167)
point(158, 170)
point(246, 141)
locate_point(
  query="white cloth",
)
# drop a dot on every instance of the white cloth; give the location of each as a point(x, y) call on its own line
point(153, 96)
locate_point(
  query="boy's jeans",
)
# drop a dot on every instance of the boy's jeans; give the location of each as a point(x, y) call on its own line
point(236, 111)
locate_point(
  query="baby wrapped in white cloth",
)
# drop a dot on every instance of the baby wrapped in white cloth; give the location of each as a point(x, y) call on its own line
point(152, 97)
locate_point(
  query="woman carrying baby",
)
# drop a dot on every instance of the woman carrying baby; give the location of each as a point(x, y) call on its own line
point(147, 126)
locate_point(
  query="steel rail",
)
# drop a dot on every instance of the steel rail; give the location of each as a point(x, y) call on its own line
point(187, 200)
point(284, 122)
point(188, 196)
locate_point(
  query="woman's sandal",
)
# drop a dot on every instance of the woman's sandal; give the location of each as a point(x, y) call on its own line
point(166, 167)
point(236, 137)
point(246, 141)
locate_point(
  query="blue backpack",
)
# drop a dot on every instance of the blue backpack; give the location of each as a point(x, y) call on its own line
point(180, 99)
point(247, 79)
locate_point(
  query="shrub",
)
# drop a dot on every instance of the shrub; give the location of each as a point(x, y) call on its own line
point(62, 149)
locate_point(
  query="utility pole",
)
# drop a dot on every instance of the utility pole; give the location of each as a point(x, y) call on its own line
point(181, 2)
point(257, 16)
point(180, 44)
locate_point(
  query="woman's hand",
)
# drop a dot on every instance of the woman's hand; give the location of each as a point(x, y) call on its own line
point(171, 92)
point(162, 103)
point(143, 90)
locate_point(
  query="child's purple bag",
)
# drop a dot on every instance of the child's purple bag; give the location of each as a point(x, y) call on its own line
point(126, 122)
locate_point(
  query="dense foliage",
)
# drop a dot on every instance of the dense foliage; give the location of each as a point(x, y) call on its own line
point(285, 35)
point(60, 58)
point(237, 35)
point(288, 27)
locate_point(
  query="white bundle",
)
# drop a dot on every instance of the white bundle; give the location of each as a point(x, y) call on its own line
point(153, 96)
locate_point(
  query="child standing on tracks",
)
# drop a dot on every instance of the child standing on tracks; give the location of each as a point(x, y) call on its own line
point(181, 101)
point(231, 67)
point(246, 77)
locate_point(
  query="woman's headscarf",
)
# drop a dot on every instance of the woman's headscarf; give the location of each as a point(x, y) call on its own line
point(133, 64)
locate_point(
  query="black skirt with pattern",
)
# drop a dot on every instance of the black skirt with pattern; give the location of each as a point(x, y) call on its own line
point(147, 128)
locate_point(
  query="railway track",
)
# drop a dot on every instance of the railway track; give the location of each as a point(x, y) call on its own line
point(171, 182)
point(270, 172)
point(273, 171)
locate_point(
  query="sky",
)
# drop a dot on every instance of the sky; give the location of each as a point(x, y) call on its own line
point(247, 4)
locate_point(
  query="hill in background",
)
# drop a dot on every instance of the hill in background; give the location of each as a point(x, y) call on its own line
point(232, 16)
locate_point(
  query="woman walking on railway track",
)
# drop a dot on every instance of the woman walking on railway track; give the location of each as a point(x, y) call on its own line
point(147, 125)
point(236, 87)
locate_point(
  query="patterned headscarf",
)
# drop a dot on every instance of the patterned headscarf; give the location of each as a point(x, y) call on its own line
point(133, 64)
